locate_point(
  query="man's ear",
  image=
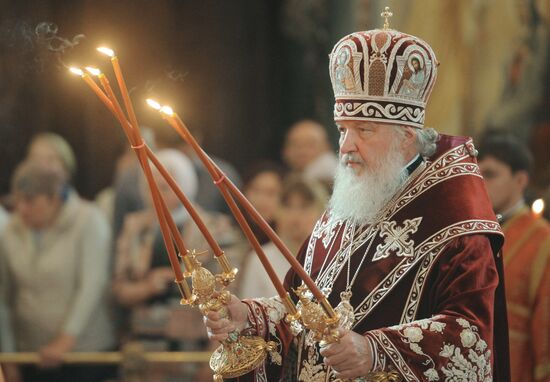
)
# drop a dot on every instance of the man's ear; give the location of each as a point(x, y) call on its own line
point(521, 178)
point(410, 137)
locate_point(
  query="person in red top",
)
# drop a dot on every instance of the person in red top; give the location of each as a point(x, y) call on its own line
point(409, 240)
point(505, 165)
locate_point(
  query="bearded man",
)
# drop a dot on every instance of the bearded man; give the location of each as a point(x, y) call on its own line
point(409, 240)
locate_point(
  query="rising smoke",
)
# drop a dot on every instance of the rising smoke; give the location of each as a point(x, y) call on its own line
point(34, 47)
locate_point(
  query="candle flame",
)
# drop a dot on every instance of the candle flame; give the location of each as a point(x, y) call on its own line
point(538, 206)
point(154, 104)
point(76, 71)
point(93, 71)
point(109, 52)
point(167, 110)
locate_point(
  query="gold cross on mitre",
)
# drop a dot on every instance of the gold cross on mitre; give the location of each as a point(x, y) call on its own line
point(386, 15)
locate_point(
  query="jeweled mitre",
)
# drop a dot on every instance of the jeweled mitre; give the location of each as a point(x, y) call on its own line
point(382, 75)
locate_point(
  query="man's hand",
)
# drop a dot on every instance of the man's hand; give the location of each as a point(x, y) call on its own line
point(218, 328)
point(351, 357)
point(51, 355)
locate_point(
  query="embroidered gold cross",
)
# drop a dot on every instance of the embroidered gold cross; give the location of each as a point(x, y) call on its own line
point(386, 15)
point(396, 239)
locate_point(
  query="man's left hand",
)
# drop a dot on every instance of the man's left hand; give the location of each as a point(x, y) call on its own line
point(350, 357)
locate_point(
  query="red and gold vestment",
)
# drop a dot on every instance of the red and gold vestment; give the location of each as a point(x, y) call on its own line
point(428, 293)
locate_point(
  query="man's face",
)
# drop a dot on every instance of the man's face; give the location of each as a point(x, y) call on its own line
point(416, 65)
point(372, 164)
point(503, 186)
point(363, 143)
point(304, 143)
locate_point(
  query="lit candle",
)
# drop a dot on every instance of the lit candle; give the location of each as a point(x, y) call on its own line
point(117, 110)
point(122, 85)
point(173, 119)
point(90, 82)
point(163, 216)
point(170, 116)
point(538, 207)
point(93, 71)
point(172, 183)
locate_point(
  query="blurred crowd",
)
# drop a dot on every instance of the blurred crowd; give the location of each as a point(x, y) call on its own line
point(79, 275)
point(92, 276)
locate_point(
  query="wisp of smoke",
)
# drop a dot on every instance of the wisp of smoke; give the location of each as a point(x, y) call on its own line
point(31, 48)
point(46, 33)
point(169, 74)
point(176, 75)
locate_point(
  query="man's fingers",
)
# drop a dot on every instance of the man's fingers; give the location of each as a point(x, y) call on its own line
point(335, 347)
point(214, 316)
point(217, 337)
point(222, 330)
point(342, 332)
point(331, 349)
point(348, 374)
point(217, 324)
point(338, 360)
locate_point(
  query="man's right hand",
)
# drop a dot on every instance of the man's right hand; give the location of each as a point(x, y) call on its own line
point(218, 328)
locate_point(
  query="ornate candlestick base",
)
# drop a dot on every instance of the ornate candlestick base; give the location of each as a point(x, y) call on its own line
point(238, 354)
point(380, 376)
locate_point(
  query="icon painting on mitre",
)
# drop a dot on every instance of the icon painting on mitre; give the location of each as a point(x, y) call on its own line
point(413, 77)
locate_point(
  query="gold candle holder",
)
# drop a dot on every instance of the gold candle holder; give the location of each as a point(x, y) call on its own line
point(314, 317)
point(380, 376)
point(293, 316)
point(238, 354)
point(229, 273)
point(324, 328)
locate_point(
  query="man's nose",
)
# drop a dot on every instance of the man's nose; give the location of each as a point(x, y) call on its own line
point(347, 142)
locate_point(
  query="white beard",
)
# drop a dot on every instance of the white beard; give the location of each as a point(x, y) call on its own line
point(360, 198)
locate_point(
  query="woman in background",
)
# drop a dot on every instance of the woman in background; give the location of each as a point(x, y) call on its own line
point(263, 184)
point(144, 281)
point(302, 203)
point(54, 264)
